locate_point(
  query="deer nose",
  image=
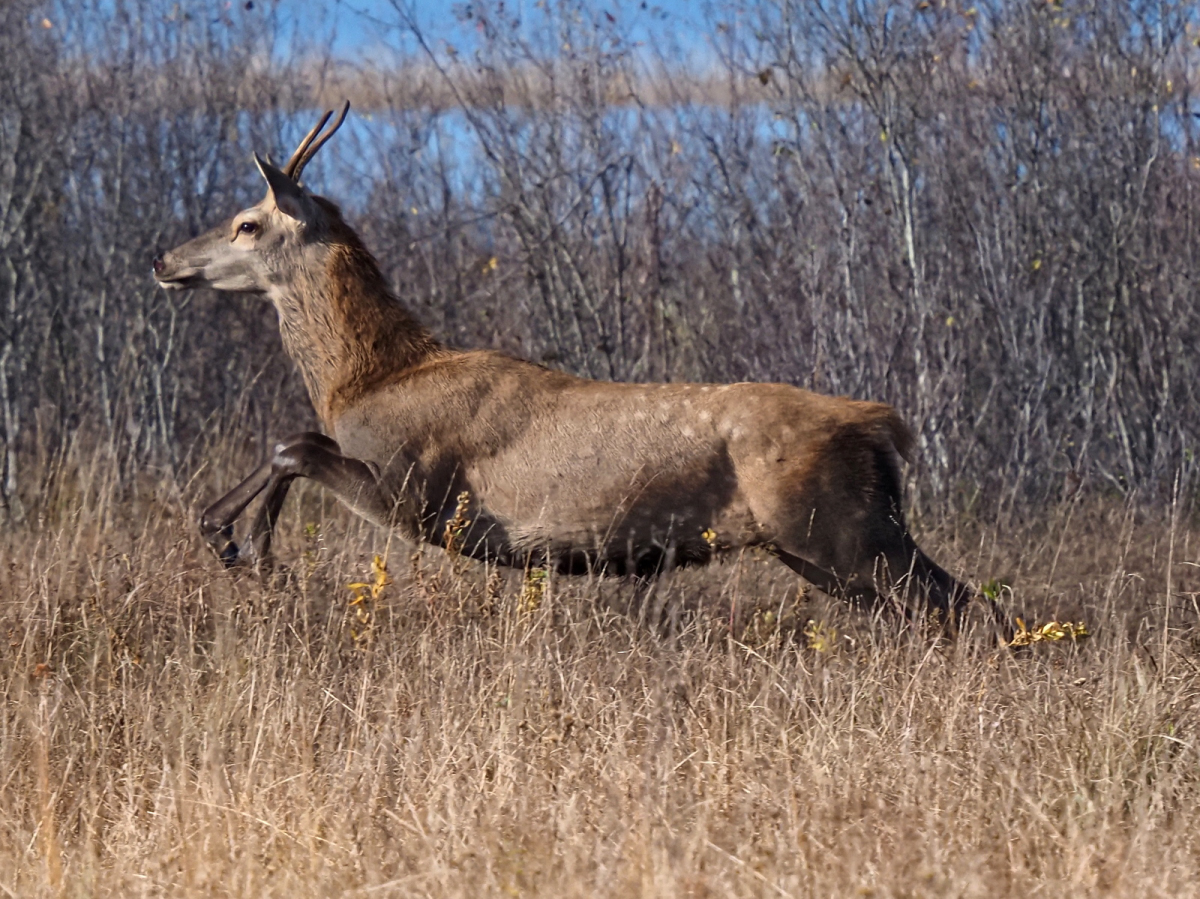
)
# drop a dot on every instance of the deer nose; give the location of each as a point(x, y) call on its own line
point(158, 264)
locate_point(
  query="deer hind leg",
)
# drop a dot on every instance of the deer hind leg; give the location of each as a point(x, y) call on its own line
point(853, 542)
point(906, 569)
point(846, 533)
point(651, 596)
point(902, 569)
point(850, 588)
point(895, 568)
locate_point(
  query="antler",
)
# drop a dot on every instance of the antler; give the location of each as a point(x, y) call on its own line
point(312, 143)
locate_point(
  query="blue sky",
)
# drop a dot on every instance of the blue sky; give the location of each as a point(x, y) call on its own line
point(363, 26)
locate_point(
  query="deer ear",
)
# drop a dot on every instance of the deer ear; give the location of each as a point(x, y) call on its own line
point(288, 195)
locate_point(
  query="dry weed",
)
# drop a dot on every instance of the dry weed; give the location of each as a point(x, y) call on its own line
point(171, 729)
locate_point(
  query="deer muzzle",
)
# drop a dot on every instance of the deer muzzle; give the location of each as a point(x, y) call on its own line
point(171, 274)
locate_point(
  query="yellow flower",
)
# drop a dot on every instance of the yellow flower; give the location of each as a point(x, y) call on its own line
point(821, 636)
point(1050, 632)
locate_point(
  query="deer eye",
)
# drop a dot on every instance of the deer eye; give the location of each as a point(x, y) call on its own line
point(247, 227)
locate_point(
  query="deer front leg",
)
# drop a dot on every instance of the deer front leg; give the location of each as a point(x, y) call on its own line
point(216, 523)
point(352, 481)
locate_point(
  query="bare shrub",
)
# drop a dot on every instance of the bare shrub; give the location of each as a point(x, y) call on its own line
point(982, 216)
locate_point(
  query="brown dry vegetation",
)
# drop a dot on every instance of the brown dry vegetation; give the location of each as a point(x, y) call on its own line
point(171, 729)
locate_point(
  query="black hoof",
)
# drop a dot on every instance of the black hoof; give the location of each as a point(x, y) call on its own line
point(229, 555)
point(228, 550)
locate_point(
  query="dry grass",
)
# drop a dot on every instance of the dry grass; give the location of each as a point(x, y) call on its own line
point(172, 729)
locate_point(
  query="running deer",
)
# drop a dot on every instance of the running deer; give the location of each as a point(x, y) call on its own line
point(553, 470)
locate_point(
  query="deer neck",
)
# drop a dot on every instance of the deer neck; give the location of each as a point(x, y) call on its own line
point(344, 329)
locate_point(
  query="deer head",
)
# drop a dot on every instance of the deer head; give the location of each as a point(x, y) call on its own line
point(338, 319)
point(248, 252)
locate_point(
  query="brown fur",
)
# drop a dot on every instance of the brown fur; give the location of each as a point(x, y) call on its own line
point(557, 469)
point(379, 338)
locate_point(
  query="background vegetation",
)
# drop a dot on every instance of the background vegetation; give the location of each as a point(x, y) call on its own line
point(983, 214)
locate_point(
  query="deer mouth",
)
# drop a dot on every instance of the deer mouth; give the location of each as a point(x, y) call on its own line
point(179, 282)
point(175, 278)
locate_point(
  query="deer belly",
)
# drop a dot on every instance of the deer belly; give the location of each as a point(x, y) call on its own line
point(636, 530)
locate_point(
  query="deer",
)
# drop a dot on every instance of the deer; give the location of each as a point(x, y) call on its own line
point(551, 470)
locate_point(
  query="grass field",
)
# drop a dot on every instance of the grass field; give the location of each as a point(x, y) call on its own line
point(171, 729)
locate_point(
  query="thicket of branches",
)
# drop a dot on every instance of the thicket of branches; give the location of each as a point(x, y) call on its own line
point(984, 214)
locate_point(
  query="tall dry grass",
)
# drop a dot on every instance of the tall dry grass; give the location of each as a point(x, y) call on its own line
point(171, 729)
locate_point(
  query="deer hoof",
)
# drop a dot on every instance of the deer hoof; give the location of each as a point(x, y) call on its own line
point(229, 555)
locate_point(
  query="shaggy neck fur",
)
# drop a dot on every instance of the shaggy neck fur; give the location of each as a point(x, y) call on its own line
point(343, 327)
